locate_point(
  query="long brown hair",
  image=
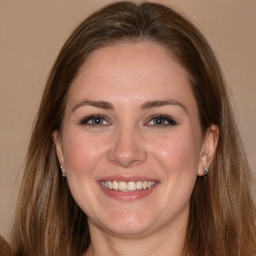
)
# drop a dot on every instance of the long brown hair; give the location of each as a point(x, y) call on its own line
point(222, 214)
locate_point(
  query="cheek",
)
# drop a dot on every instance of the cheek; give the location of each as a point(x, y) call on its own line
point(82, 153)
point(178, 157)
point(179, 153)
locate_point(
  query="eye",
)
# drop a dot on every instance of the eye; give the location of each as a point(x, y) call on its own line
point(94, 120)
point(161, 121)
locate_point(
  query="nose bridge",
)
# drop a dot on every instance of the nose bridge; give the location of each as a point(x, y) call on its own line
point(127, 146)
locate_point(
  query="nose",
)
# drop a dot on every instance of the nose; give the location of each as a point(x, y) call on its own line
point(127, 148)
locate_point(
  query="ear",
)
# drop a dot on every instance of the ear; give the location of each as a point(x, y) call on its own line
point(208, 149)
point(59, 149)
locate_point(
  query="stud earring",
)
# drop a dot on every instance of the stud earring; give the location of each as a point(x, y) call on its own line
point(62, 172)
point(206, 171)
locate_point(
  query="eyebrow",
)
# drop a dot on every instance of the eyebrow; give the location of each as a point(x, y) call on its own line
point(160, 103)
point(147, 105)
point(96, 104)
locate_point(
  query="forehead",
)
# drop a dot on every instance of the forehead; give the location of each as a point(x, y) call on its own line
point(128, 71)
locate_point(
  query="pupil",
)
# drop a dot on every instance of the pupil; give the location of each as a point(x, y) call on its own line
point(159, 121)
point(97, 120)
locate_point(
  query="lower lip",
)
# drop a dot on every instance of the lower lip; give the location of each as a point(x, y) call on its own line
point(127, 196)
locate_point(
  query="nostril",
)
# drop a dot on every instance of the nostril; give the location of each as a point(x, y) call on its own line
point(127, 148)
point(127, 163)
point(127, 158)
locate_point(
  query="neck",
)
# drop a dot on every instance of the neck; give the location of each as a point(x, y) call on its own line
point(162, 242)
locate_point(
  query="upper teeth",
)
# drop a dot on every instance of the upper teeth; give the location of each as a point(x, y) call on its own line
point(128, 186)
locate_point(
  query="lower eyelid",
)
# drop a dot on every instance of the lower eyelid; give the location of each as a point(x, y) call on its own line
point(171, 121)
point(86, 120)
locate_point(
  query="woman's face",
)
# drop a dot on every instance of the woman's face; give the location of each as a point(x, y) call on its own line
point(131, 144)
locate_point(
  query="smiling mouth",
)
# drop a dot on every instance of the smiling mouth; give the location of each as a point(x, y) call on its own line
point(129, 186)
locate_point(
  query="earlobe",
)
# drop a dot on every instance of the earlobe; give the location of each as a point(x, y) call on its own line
point(209, 146)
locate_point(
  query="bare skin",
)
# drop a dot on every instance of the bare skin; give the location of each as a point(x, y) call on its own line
point(131, 117)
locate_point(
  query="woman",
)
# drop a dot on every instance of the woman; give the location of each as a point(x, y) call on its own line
point(134, 149)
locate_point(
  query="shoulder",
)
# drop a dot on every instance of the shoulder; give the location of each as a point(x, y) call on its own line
point(5, 249)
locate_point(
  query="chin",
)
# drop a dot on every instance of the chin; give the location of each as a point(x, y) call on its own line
point(127, 224)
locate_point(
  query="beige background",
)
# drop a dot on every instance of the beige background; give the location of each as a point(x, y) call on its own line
point(32, 32)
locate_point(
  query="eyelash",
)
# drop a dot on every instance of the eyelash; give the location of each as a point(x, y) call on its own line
point(90, 120)
point(167, 119)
